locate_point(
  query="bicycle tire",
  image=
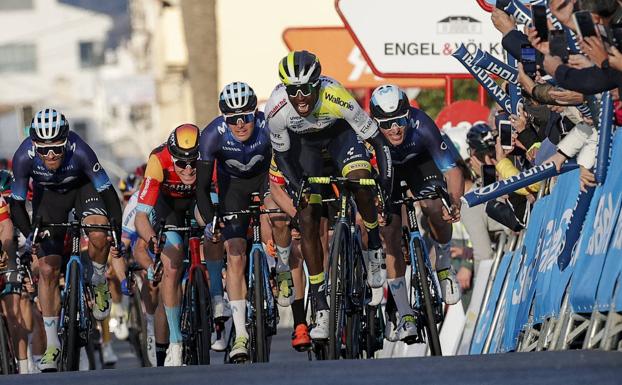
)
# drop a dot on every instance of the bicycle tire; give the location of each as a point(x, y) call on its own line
point(258, 302)
point(202, 310)
point(424, 282)
point(70, 347)
point(354, 316)
point(137, 326)
point(337, 271)
point(7, 358)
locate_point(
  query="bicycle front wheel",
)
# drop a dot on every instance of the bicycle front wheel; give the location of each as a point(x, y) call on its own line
point(424, 282)
point(203, 311)
point(337, 290)
point(261, 352)
point(70, 344)
point(7, 359)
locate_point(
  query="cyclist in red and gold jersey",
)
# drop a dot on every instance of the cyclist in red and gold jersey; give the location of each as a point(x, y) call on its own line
point(168, 192)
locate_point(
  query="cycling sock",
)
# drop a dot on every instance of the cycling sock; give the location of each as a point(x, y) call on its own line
point(238, 308)
point(443, 255)
point(150, 321)
point(23, 366)
point(174, 328)
point(99, 273)
point(317, 290)
point(161, 353)
point(282, 254)
point(125, 304)
point(373, 235)
point(298, 311)
point(214, 268)
point(51, 331)
point(398, 290)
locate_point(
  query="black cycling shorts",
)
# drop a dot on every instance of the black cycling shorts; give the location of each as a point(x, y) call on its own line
point(346, 149)
point(173, 211)
point(235, 194)
point(420, 174)
point(54, 207)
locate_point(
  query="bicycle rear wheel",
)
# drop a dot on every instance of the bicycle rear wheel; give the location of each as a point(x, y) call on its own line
point(423, 282)
point(261, 353)
point(7, 358)
point(70, 341)
point(337, 290)
point(202, 317)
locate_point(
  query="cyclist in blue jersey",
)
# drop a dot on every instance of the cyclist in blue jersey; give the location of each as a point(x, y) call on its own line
point(421, 159)
point(239, 143)
point(66, 175)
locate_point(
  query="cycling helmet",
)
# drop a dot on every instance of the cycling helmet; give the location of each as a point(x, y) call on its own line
point(388, 101)
point(129, 184)
point(480, 138)
point(299, 67)
point(237, 97)
point(183, 143)
point(5, 180)
point(49, 125)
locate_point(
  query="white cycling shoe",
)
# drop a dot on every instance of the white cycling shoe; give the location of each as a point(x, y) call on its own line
point(407, 329)
point(376, 267)
point(320, 330)
point(109, 356)
point(449, 286)
point(377, 294)
point(173, 355)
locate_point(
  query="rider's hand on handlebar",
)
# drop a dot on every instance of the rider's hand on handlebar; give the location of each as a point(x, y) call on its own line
point(453, 215)
point(153, 244)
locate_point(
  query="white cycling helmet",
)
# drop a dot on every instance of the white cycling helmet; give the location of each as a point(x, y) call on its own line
point(388, 101)
point(237, 97)
point(49, 125)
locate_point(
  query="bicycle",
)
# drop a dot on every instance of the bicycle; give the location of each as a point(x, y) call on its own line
point(8, 362)
point(75, 323)
point(425, 293)
point(262, 314)
point(136, 322)
point(349, 294)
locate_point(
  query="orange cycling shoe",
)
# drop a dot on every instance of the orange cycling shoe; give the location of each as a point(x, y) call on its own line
point(300, 338)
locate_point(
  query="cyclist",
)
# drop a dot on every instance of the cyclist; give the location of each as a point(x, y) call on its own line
point(66, 174)
point(238, 141)
point(421, 158)
point(168, 192)
point(310, 113)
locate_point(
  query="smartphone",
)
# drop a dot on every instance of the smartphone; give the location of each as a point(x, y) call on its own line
point(489, 174)
point(558, 44)
point(584, 23)
point(528, 60)
point(505, 134)
point(538, 16)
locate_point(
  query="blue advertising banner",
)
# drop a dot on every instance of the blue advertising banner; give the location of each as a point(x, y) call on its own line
point(483, 324)
point(604, 137)
point(483, 59)
point(507, 315)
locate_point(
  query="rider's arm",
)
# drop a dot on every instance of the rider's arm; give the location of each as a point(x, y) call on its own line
point(279, 136)
point(147, 197)
point(19, 189)
point(208, 146)
point(383, 159)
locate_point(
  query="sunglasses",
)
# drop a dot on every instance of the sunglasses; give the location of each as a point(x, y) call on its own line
point(386, 124)
point(55, 149)
point(246, 117)
point(181, 163)
point(304, 89)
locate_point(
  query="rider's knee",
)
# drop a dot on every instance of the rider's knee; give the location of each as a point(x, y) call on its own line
point(47, 271)
point(98, 239)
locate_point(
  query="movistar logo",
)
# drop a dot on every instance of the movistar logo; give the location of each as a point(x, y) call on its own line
point(337, 100)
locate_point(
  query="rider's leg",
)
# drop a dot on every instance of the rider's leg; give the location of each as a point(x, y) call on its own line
point(17, 329)
point(396, 267)
point(311, 246)
point(172, 260)
point(161, 333)
point(49, 299)
point(236, 283)
point(98, 247)
point(441, 231)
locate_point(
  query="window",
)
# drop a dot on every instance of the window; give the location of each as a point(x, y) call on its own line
point(18, 57)
point(15, 5)
point(91, 54)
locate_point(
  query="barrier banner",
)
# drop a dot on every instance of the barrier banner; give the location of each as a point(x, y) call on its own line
point(484, 323)
point(595, 240)
point(524, 288)
point(604, 137)
point(483, 59)
point(522, 179)
point(507, 314)
point(575, 227)
point(517, 9)
point(516, 97)
point(494, 90)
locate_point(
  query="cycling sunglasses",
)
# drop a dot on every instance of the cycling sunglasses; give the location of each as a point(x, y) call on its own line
point(246, 117)
point(305, 89)
point(181, 163)
point(45, 149)
point(386, 124)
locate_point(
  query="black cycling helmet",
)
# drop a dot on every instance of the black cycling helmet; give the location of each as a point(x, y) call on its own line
point(183, 143)
point(480, 138)
point(6, 177)
point(388, 101)
point(299, 67)
point(237, 97)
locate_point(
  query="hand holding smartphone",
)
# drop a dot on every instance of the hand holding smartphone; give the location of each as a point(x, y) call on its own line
point(505, 134)
point(585, 24)
point(528, 60)
point(558, 44)
point(489, 174)
point(538, 16)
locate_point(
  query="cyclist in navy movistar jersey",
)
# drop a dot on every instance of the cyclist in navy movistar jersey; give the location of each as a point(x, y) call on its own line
point(239, 142)
point(421, 159)
point(66, 175)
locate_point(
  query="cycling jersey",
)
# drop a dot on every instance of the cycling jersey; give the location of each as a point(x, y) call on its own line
point(80, 164)
point(161, 179)
point(235, 158)
point(4, 210)
point(422, 136)
point(334, 102)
